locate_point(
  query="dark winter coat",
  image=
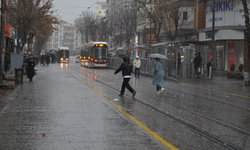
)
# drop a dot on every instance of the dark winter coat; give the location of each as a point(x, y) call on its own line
point(30, 68)
point(197, 61)
point(47, 59)
point(126, 61)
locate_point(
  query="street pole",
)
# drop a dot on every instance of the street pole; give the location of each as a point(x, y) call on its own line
point(2, 38)
point(150, 27)
point(213, 42)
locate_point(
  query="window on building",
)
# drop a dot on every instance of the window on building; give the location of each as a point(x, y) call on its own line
point(100, 12)
point(185, 15)
point(103, 6)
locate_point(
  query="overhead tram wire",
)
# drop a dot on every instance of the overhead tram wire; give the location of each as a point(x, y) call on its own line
point(90, 6)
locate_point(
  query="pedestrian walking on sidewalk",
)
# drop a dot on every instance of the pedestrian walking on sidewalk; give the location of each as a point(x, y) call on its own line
point(158, 76)
point(137, 65)
point(126, 69)
point(47, 59)
point(208, 66)
point(179, 64)
point(197, 64)
point(31, 69)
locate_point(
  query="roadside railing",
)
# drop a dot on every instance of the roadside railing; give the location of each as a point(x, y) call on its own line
point(147, 65)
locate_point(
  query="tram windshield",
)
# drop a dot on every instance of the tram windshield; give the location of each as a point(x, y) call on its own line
point(100, 53)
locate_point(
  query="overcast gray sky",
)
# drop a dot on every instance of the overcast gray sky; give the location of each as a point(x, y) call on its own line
point(69, 10)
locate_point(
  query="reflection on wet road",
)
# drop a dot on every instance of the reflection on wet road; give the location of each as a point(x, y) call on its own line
point(203, 109)
point(79, 108)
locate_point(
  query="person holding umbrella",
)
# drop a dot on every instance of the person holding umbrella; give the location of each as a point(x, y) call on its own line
point(31, 68)
point(158, 72)
point(158, 76)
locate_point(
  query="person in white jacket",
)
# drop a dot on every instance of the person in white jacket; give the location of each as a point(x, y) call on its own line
point(137, 65)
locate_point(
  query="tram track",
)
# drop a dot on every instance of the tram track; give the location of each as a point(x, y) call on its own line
point(228, 144)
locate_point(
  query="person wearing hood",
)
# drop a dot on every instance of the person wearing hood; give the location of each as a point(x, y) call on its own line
point(126, 69)
point(197, 64)
point(31, 68)
point(158, 76)
point(137, 65)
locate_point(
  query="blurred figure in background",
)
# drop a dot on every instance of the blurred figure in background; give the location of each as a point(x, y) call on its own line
point(31, 68)
point(137, 65)
point(197, 64)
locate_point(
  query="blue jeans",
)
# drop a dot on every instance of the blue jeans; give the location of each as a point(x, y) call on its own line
point(158, 87)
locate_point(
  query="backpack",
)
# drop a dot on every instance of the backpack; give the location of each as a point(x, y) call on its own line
point(129, 67)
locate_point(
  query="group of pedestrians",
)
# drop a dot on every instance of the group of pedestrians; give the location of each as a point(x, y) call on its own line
point(127, 68)
point(45, 59)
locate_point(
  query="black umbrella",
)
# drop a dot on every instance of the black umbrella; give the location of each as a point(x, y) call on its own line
point(27, 59)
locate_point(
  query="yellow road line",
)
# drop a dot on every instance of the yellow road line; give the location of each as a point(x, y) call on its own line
point(216, 90)
point(148, 130)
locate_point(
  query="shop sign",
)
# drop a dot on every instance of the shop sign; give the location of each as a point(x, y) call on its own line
point(209, 50)
point(226, 13)
point(220, 6)
point(208, 36)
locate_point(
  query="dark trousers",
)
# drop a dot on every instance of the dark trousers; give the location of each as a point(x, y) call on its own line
point(178, 69)
point(158, 87)
point(137, 72)
point(197, 73)
point(208, 67)
point(126, 84)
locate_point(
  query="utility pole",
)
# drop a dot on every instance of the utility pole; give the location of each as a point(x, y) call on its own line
point(213, 42)
point(2, 38)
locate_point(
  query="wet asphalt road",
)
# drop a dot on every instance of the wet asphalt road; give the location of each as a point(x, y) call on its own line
point(73, 106)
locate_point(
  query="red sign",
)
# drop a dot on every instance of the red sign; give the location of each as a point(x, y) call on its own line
point(209, 52)
point(230, 54)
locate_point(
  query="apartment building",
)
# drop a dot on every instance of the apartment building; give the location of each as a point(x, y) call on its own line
point(101, 10)
point(64, 36)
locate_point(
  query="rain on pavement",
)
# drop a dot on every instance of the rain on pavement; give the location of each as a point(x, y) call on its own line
point(79, 108)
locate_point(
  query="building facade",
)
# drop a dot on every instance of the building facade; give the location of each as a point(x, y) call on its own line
point(101, 10)
point(64, 36)
point(228, 32)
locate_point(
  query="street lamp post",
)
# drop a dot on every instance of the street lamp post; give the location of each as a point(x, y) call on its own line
point(213, 42)
point(2, 37)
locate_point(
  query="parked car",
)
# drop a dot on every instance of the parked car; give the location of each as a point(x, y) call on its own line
point(78, 59)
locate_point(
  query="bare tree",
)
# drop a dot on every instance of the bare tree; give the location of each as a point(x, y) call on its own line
point(83, 24)
point(32, 18)
point(166, 16)
point(102, 29)
point(151, 15)
point(124, 21)
point(178, 16)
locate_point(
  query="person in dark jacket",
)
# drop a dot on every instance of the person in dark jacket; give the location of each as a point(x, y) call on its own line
point(197, 63)
point(126, 76)
point(31, 68)
point(47, 59)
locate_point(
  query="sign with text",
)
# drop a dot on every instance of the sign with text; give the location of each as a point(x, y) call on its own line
point(226, 13)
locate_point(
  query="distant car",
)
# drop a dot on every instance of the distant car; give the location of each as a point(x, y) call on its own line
point(78, 59)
